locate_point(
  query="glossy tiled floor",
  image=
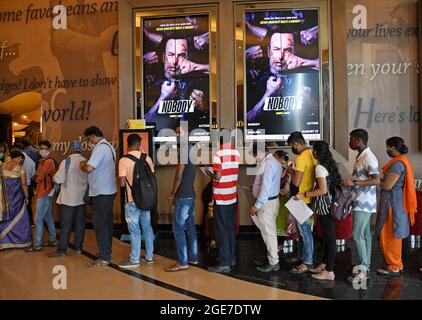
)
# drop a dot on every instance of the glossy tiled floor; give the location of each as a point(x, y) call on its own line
point(250, 246)
point(31, 276)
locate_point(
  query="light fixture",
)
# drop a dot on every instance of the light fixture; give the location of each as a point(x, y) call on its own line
point(25, 117)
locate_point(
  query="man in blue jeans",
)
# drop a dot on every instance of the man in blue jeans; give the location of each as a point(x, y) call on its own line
point(134, 215)
point(303, 181)
point(183, 196)
point(45, 191)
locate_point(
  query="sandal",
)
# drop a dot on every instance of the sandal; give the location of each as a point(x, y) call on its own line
point(388, 272)
point(318, 269)
point(176, 267)
point(303, 268)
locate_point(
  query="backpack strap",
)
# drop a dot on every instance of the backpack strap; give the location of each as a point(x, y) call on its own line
point(134, 159)
point(131, 157)
point(111, 150)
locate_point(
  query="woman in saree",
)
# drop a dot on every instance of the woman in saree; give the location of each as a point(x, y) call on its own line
point(397, 206)
point(15, 231)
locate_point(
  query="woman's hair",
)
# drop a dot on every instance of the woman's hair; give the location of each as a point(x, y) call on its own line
point(398, 143)
point(17, 154)
point(282, 155)
point(325, 158)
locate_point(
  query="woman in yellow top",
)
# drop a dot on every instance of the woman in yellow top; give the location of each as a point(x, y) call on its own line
point(15, 230)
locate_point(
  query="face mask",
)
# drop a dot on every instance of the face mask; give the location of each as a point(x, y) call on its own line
point(295, 151)
point(1, 155)
point(352, 145)
point(44, 153)
point(390, 153)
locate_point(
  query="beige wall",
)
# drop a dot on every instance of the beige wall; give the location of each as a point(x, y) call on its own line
point(226, 86)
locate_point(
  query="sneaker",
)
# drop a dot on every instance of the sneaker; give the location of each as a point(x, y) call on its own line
point(56, 254)
point(34, 249)
point(148, 261)
point(260, 262)
point(193, 263)
point(98, 263)
point(269, 267)
point(219, 269)
point(129, 264)
point(78, 251)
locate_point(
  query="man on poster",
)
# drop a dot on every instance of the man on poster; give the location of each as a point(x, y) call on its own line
point(183, 89)
point(285, 87)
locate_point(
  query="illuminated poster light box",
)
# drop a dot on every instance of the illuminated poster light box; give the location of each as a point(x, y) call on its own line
point(282, 73)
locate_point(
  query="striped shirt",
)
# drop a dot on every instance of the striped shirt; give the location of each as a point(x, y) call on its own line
point(226, 160)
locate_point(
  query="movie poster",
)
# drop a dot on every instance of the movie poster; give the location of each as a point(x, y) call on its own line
point(176, 67)
point(282, 74)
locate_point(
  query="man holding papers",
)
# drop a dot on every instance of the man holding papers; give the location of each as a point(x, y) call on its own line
point(264, 213)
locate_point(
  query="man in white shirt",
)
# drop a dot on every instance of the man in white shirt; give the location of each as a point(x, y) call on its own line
point(101, 169)
point(365, 180)
point(73, 183)
point(266, 189)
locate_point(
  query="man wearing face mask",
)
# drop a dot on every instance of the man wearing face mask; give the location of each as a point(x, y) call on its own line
point(303, 181)
point(101, 168)
point(45, 191)
point(365, 180)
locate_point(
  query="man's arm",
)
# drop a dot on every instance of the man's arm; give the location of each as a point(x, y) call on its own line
point(265, 187)
point(59, 177)
point(295, 183)
point(86, 167)
point(168, 89)
point(274, 84)
point(176, 181)
point(122, 182)
point(216, 175)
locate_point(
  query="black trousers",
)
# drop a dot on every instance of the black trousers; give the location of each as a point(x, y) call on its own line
point(225, 233)
point(71, 216)
point(31, 189)
point(102, 218)
point(329, 241)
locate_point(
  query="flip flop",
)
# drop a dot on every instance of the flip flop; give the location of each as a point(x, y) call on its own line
point(388, 272)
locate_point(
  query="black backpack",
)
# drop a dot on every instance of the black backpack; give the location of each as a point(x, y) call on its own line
point(342, 202)
point(144, 185)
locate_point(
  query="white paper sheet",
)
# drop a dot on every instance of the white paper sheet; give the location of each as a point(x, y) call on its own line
point(205, 169)
point(299, 210)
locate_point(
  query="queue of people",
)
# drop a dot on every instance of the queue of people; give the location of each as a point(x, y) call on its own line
point(313, 178)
